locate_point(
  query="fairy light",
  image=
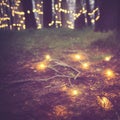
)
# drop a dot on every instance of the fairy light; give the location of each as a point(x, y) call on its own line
point(38, 13)
point(97, 18)
point(28, 11)
point(77, 57)
point(74, 92)
point(17, 14)
point(107, 58)
point(47, 57)
point(93, 21)
point(104, 102)
point(41, 66)
point(109, 73)
point(39, 26)
point(85, 65)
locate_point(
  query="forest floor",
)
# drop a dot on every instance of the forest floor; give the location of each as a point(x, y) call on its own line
point(65, 82)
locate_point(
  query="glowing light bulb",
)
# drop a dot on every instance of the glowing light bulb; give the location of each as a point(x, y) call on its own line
point(85, 65)
point(77, 57)
point(41, 66)
point(74, 92)
point(47, 57)
point(104, 102)
point(109, 73)
point(107, 58)
point(92, 21)
point(28, 11)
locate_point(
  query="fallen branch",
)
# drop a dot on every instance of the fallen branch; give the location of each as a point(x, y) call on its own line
point(38, 79)
point(60, 63)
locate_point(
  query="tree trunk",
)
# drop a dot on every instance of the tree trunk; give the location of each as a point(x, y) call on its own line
point(47, 13)
point(109, 12)
point(64, 14)
point(38, 12)
point(57, 17)
point(4, 10)
point(72, 10)
point(80, 20)
point(88, 11)
point(29, 15)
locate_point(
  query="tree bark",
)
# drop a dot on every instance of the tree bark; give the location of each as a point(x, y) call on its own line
point(29, 15)
point(38, 12)
point(109, 12)
point(88, 11)
point(47, 13)
point(80, 21)
point(64, 15)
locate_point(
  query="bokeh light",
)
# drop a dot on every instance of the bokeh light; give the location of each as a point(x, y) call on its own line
point(104, 102)
point(109, 73)
point(85, 65)
point(41, 66)
point(74, 92)
point(77, 57)
point(107, 58)
point(48, 57)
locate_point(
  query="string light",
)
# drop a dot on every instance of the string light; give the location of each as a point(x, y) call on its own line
point(16, 14)
point(28, 11)
point(48, 57)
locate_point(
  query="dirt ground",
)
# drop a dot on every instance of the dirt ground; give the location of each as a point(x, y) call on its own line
point(63, 89)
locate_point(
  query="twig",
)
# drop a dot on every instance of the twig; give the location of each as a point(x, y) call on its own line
point(70, 82)
point(39, 80)
point(76, 76)
point(66, 65)
point(56, 70)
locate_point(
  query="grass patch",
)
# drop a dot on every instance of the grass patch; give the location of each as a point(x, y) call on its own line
point(35, 42)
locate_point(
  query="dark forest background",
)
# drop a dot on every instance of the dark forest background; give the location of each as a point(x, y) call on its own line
point(108, 12)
